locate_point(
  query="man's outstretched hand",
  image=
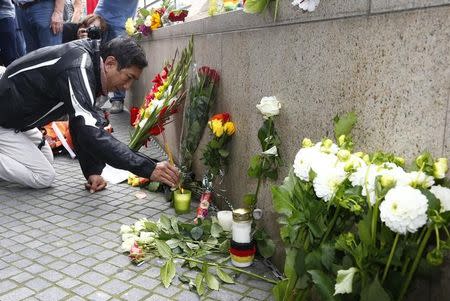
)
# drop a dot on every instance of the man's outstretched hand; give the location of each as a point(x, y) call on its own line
point(95, 183)
point(166, 173)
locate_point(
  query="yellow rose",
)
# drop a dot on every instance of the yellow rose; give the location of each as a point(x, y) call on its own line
point(130, 26)
point(216, 126)
point(229, 128)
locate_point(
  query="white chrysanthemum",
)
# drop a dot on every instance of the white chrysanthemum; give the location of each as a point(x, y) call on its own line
point(419, 179)
point(127, 244)
point(306, 5)
point(404, 209)
point(365, 177)
point(303, 160)
point(140, 224)
point(125, 229)
point(146, 237)
point(443, 194)
point(327, 181)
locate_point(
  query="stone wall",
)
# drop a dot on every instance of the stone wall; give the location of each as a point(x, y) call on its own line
point(387, 60)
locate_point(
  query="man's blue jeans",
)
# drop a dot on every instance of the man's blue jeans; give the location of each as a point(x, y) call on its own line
point(35, 21)
point(114, 32)
point(8, 49)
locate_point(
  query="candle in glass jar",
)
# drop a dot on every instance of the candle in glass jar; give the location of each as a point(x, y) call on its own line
point(241, 226)
point(182, 201)
point(225, 218)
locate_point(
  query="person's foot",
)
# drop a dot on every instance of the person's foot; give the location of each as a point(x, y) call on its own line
point(116, 107)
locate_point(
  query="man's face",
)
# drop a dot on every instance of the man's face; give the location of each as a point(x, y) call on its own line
point(119, 79)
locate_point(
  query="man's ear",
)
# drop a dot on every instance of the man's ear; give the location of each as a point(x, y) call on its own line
point(110, 63)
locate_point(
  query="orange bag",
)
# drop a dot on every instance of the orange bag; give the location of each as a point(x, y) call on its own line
point(58, 137)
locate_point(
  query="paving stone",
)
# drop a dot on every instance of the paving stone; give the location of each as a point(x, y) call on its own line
point(115, 287)
point(83, 290)
point(22, 263)
point(68, 283)
point(17, 294)
point(152, 272)
point(99, 296)
point(135, 294)
point(52, 293)
point(224, 295)
point(258, 294)
point(106, 268)
point(74, 270)
point(168, 292)
point(145, 282)
point(155, 297)
point(125, 274)
point(52, 276)
point(22, 277)
point(93, 278)
point(6, 285)
point(88, 262)
point(187, 296)
point(9, 272)
point(37, 284)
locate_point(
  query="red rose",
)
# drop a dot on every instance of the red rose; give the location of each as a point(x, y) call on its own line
point(224, 117)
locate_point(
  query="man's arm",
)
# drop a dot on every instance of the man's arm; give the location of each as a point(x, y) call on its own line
point(57, 17)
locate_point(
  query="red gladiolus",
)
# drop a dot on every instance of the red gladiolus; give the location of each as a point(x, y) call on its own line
point(165, 72)
point(224, 117)
point(156, 130)
point(157, 80)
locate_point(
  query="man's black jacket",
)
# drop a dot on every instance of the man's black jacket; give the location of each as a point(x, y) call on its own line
point(52, 81)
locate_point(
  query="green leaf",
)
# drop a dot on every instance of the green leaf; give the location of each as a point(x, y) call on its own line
point(289, 265)
point(224, 276)
point(224, 153)
point(255, 6)
point(199, 284)
point(344, 125)
point(174, 224)
point(255, 170)
point(434, 204)
point(266, 247)
point(324, 284)
point(282, 200)
point(313, 260)
point(212, 281)
point(163, 249)
point(279, 290)
point(196, 233)
point(164, 221)
point(249, 199)
point(364, 227)
point(374, 292)
point(216, 230)
point(153, 186)
point(327, 256)
point(167, 272)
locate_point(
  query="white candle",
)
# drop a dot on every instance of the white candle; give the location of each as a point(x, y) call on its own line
point(225, 218)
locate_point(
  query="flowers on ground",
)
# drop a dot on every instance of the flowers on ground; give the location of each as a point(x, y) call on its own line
point(162, 101)
point(306, 5)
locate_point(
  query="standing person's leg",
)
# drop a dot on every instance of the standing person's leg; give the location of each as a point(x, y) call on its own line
point(21, 161)
point(119, 97)
point(41, 12)
point(8, 48)
point(29, 34)
point(20, 40)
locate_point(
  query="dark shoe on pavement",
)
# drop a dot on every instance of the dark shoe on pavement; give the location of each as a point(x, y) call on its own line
point(116, 107)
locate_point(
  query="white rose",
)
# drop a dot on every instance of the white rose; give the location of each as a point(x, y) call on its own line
point(404, 209)
point(271, 151)
point(443, 194)
point(269, 106)
point(146, 237)
point(140, 224)
point(127, 236)
point(306, 5)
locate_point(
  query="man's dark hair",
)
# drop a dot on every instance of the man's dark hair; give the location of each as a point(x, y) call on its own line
point(126, 51)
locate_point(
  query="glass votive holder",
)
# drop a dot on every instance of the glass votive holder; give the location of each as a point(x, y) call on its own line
point(182, 201)
point(225, 218)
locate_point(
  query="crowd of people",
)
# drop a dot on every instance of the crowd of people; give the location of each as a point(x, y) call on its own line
point(57, 67)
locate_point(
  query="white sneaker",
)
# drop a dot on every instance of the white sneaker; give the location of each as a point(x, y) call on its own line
point(116, 107)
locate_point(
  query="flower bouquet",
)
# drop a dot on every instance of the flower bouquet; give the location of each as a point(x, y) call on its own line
point(145, 21)
point(359, 226)
point(215, 154)
point(202, 95)
point(167, 93)
point(178, 15)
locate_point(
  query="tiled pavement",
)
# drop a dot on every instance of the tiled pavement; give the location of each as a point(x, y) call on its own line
point(63, 243)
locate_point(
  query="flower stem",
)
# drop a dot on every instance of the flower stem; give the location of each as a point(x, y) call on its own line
point(374, 221)
point(228, 267)
point(415, 264)
point(386, 268)
point(331, 224)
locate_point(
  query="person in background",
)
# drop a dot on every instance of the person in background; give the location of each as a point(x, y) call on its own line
point(64, 79)
point(72, 11)
point(116, 13)
point(75, 31)
point(8, 48)
point(41, 22)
